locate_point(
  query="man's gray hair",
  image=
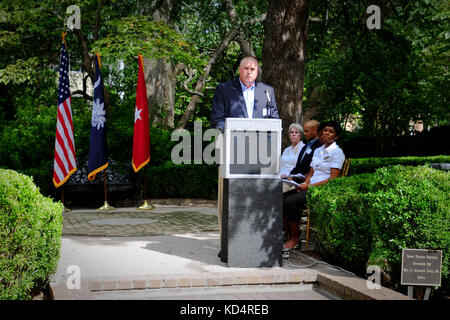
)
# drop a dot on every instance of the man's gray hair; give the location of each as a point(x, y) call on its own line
point(254, 59)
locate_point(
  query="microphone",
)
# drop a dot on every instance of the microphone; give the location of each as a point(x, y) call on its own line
point(267, 108)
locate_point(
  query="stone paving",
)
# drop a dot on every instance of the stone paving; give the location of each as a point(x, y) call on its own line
point(126, 222)
point(171, 253)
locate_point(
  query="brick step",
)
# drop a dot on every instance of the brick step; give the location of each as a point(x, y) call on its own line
point(201, 280)
point(194, 280)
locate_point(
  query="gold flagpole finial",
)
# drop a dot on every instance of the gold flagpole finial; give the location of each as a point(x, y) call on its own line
point(64, 34)
point(99, 61)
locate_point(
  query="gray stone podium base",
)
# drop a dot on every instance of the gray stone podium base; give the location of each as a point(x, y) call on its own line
point(252, 220)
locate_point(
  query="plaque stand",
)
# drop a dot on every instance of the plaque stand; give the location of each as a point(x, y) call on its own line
point(419, 292)
point(421, 270)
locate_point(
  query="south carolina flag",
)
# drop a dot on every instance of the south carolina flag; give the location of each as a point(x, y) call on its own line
point(141, 136)
point(97, 147)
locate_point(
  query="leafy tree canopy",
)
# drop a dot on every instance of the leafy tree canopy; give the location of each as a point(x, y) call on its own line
point(131, 35)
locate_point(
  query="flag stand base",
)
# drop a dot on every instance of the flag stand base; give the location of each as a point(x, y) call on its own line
point(106, 207)
point(146, 206)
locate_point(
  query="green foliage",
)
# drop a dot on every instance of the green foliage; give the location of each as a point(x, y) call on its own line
point(182, 181)
point(411, 207)
point(30, 236)
point(23, 71)
point(382, 78)
point(133, 35)
point(379, 214)
point(342, 217)
point(27, 141)
point(29, 33)
point(366, 165)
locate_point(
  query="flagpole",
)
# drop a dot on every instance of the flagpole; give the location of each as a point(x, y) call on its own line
point(65, 209)
point(106, 205)
point(145, 185)
point(146, 205)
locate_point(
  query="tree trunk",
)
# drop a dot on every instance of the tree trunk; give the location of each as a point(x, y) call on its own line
point(160, 80)
point(160, 84)
point(284, 53)
point(313, 106)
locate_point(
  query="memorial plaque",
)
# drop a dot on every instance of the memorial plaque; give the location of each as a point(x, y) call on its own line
point(421, 267)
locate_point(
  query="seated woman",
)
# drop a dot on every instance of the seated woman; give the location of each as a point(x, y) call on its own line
point(326, 165)
point(290, 154)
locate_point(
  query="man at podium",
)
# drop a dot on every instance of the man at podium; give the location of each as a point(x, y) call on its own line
point(243, 97)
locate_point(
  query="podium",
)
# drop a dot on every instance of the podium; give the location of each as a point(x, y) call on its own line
point(252, 200)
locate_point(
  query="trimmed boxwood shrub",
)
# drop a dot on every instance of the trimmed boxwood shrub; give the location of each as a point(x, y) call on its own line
point(30, 236)
point(167, 180)
point(368, 165)
point(182, 181)
point(396, 207)
point(411, 207)
point(341, 215)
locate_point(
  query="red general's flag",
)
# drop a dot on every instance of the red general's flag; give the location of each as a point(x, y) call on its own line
point(64, 163)
point(141, 136)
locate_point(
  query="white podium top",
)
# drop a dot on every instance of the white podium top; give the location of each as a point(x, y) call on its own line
point(251, 148)
point(259, 124)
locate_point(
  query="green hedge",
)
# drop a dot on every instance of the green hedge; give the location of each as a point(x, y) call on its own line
point(367, 165)
point(411, 207)
point(30, 236)
point(342, 217)
point(394, 208)
point(163, 175)
point(182, 181)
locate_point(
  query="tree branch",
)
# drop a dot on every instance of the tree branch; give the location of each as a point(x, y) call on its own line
point(231, 11)
point(88, 66)
point(200, 86)
point(83, 93)
point(177, 69)
point(190, 75)
point(258, 19)
point(202, 80)
point(97, 19)
point(314, 19)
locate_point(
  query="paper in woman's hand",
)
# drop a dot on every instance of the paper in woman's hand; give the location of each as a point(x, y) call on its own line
point(291, 182)
point(298, 175)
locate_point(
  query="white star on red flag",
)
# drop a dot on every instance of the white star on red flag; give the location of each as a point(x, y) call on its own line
point(137, 114)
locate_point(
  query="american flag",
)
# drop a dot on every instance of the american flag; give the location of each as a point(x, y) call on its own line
point(65, 163)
